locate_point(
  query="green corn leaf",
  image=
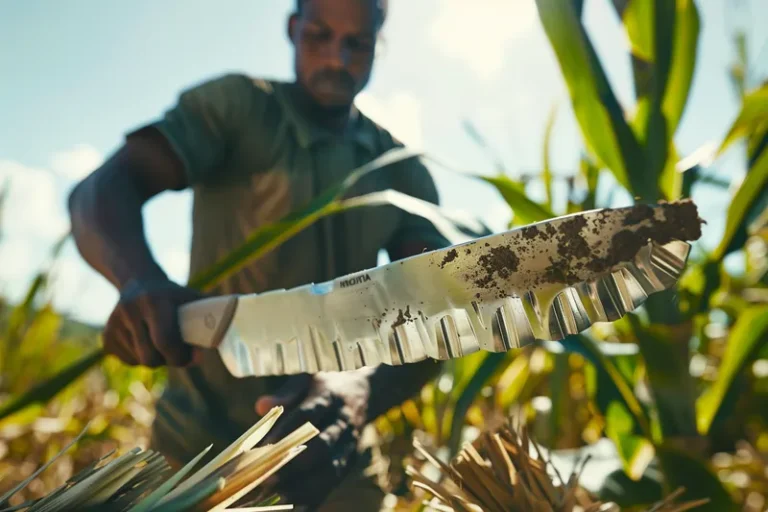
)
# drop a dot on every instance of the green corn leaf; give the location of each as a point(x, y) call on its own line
point(754, 113)
point(636, 451)
point(46, 390)
point(546, 174)
point(512, 381)
point(598, 112)
point(638, 21)
point(684, 55)
point(24, 313)
point(666, 356)
point(591, 350)
point(738, 70)
point(526, 210)
point(266, 238)
point(664, 37)
point(754, 185)
point(748, 336)
point(490, 365)
point(591, 174)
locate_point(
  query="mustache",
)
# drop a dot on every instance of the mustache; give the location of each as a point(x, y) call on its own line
point(340, 77)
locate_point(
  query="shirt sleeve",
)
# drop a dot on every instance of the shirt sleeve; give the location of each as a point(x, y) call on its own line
point(205, 121)
point(414, 179)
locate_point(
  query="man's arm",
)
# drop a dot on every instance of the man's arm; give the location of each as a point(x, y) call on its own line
point(108, 229)
point(106, 208)
point(186, 147)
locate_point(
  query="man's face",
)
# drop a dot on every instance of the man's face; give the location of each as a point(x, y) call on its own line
point(335, 42)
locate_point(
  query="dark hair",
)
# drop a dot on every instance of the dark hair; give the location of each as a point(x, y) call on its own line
point(381, 6)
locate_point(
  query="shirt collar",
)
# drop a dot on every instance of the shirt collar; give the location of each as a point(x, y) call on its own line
point(309, 134)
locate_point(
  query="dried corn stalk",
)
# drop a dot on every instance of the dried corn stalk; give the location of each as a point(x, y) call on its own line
point(139, 481)
point(498, 473)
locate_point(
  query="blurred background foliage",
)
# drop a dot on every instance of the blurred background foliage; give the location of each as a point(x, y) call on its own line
point(675, 394)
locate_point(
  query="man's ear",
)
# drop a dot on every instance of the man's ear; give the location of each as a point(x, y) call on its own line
point(293, 20)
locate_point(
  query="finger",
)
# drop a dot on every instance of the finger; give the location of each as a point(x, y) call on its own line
point(147, 354)
point(197, 357)
point(294, 390)
point(123, 350)
point(117, 340)
point(163, 326)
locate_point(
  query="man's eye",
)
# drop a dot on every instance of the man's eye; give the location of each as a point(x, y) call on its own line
point(360, 45)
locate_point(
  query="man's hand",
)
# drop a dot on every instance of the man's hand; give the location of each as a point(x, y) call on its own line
point(144, 328)
point(336, 404)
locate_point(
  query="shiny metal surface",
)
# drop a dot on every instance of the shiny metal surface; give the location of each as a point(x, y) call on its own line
point(443, 305)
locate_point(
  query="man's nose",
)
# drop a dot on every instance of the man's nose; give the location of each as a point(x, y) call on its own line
point(337, 54)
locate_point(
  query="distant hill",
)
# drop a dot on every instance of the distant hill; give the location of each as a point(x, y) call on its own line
point(72, 328)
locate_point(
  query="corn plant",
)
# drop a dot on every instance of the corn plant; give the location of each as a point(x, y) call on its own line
point(640, 381)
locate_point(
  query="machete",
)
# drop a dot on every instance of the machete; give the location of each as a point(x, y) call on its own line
point(540, 282)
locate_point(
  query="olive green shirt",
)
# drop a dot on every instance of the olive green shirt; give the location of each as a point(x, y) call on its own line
point(250, 159)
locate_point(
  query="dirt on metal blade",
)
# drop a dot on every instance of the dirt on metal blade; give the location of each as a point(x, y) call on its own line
point(661, 223)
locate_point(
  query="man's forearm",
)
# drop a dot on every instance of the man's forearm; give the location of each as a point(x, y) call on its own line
point(108, 228)
point(392, 385)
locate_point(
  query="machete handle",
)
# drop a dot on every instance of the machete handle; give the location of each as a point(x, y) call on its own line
point(204, 322)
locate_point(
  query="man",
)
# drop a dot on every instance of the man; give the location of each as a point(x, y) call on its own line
point(253, 151)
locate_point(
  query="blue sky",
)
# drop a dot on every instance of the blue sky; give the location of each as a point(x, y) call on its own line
point(77, 75)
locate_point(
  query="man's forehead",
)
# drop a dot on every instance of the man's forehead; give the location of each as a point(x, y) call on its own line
point(362, 13)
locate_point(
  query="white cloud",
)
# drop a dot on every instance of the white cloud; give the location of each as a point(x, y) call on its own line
point(34, 206)
point(77, 162)
point(400, 113)
point(478, 32)
point(16, 260)
point(79, 291)
point(175, 262)
point(498, 216)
